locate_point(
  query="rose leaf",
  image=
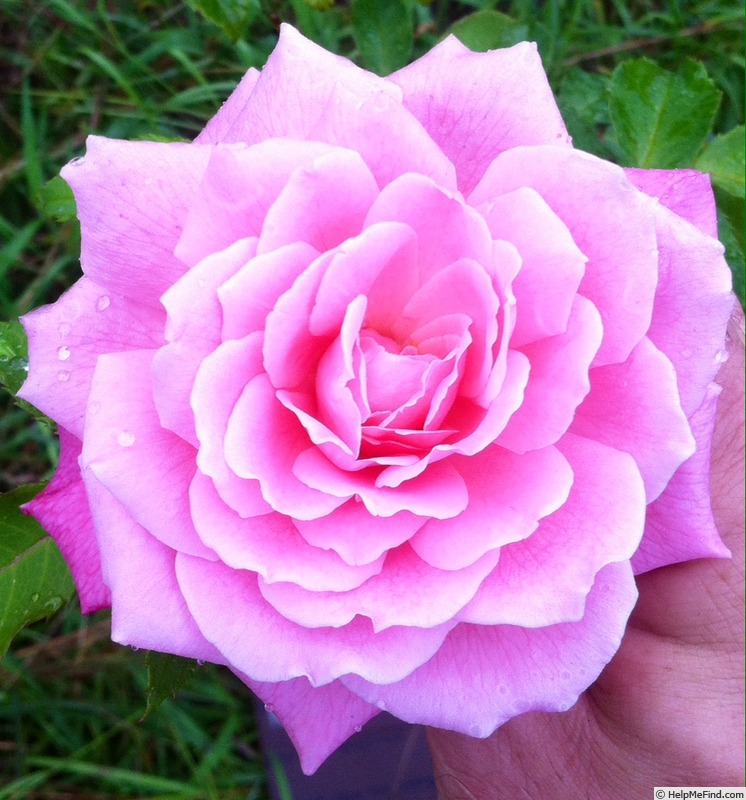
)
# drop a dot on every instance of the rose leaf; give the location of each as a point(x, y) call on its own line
point(661, 119)
point(34, 579)
point(724, 159)
point(383, 32)
point(488, 30)
point(166, 675)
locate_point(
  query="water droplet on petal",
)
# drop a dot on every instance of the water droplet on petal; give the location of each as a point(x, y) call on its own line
point(269, 708)
point(126, 439)
point(102, 303)
point(63, 376)
point(475, 731)
point(94, 408)
point(358, 728)
point(134, 648)
point(63, 353)
point(76, 162)
point(381, 704)
point(201, 282)
point(64, 329)
point(200, 662)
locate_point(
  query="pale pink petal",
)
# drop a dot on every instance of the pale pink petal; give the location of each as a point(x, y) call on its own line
point(220, 379)
point(611, 222)
point(635, 407)
point(552, 265)
point(508, 495)
point(545, 578)
point(263, 440)
point(446, 228)
point(475, 105)
point(484, 675)
point(193, 330)
point(321, 204)
point(230, 111)
point(359, 537)
point(686, 192)
point(249, 296)
point(557, 383)
point(62, 510)
point(270, 545)
point(693, 303)
point(305, 92)
point(130, 454)
point(407, 591)
point(317, 719)
point(238, 187)
point(437, 492)
point(132, 200)
point(680, 525)
point(319, 654)
point(66, 338)
point(148, 609)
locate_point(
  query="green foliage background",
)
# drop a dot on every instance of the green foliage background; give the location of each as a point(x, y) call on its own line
point(643, 82)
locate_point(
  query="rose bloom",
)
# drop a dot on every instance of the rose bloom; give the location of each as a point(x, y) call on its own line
point(379, 393)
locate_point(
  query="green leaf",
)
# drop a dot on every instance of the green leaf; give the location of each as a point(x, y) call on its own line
point(231, 16)
point(488, 30)
point(383, 31)
point(733, 255)
point(13, 355)
point(166, 675)
point(584, 102)
point(661, 119)
point(320, 5)
point(724, 160)
point(56, 200)
point(34, 579)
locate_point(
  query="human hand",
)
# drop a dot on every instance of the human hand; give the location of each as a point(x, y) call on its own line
point(668, 709)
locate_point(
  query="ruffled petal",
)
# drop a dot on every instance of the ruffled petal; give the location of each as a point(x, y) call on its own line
point(518, 669)
point(66, 338)
point(62, 510)
point(476, 105)
point(319, 654)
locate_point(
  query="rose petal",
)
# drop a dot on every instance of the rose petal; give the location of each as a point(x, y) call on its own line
point(305, 92)
point(230, 111)
point(545, 578)
point(319, 654)
point(132, 200)
point(634, 407)
point(610, 221)
point(270, 545)
point(519, 669)
point(680, 525)
point(130, 454)
point(317, 719)
point(552, 265)
point(407, 591)
point(62, 510)
point(508, 495)
point(475, 105)
point(66, 338)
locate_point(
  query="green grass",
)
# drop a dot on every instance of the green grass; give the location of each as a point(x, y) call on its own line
point(70, 702)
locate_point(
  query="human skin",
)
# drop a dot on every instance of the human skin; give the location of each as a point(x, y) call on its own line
point(668, 709)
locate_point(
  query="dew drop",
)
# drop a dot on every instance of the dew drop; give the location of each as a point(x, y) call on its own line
point(76, 162)
point(64, 329)
point(94, 408)
point(35, 597)
point(103, 303)
point(134, 648)
point(475, 731)
point(200, 662)
point(721, 357)
point(269, 708)
point(63, 376)
point(63, 353)
point(126, 439)
point(381, 704)
point(358, 728)
point(201, 282)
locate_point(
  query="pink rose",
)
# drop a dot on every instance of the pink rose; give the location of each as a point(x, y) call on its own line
point(379, 393)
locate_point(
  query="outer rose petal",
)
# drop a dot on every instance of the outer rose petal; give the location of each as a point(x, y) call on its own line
point(500, 671)
point(62, 510)
point(305, 92)
point(680, 525)
point(231, 110)
point(132, 200)
point(317, 720)
point(148, 609)
point(129, 453)
point(66, 338)
point(477, 105)
point(320, 654)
